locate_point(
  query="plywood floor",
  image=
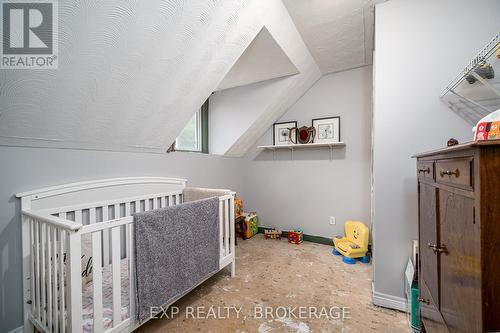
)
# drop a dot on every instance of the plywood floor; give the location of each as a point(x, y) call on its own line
point(273, 274)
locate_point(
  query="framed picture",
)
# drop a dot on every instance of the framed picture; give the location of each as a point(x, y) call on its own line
point(282, 132)
point(327, 129)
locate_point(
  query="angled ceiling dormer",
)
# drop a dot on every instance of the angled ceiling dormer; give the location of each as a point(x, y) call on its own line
point(262, 60)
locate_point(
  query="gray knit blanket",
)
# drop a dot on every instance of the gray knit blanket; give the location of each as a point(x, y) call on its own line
point(176, 248)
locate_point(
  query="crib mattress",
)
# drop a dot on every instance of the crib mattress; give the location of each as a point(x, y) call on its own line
point(107, 298)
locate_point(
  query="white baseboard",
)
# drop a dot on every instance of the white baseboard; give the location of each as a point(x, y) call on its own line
point(389, 301)
point(20, 329)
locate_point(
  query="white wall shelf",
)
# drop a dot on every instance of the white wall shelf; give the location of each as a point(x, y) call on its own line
point(472, 101)
point(293, 147)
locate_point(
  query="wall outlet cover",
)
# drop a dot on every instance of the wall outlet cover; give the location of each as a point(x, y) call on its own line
point(332, 220)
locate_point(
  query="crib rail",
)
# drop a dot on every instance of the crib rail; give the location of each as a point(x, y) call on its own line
point(52, 248)
point(47, 297)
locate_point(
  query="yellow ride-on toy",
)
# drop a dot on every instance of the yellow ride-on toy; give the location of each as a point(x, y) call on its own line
point(354, 244)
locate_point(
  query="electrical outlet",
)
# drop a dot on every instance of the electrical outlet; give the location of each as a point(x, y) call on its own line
point(332, 220)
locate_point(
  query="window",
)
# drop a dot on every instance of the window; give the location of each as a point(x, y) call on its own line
point(190, 137)
point(194, 137)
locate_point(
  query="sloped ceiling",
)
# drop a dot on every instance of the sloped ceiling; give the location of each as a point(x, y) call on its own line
point(262, 60)
point(131, 74)
point(241, 115)
point(338, 33)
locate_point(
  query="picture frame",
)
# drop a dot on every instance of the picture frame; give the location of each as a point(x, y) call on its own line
point(281, 133)
point(327, 129)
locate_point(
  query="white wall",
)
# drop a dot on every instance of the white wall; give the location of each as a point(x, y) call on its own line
point(24, 169)
point(233, 111)
point(419, 47)
point(306, 191)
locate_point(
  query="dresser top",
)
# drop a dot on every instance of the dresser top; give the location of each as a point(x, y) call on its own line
point(462, 146)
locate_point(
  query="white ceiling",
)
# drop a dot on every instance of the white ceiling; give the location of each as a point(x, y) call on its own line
point(262, 60)
point(338, 33)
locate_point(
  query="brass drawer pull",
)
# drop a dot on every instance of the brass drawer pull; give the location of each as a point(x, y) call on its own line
point(437, 249)
point(450, 173)
point(423, 300)
point(423, 170)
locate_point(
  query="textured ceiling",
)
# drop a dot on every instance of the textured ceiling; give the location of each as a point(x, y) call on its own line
point(338, 33)
point(132, 73)
point(262, 60)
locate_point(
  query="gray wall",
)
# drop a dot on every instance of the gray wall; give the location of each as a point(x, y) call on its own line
point(306, 191)
point(419, 47)
point(23, 169)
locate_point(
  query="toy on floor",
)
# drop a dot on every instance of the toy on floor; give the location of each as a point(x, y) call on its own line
point(354, 244)
point(272, 234)
point(295, 236)
point(251, 224)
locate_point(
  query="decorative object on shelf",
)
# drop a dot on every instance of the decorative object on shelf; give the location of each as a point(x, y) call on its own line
point(295, 236)
point(452, 142)
point(488, 128)
point(306, 134)
point(484, 70)
point(354, 244)
point(272, 234)
point(327, 129)
point(284, 133)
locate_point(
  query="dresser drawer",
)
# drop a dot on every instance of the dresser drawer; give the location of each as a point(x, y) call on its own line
point(456, 172)
point(425, 170)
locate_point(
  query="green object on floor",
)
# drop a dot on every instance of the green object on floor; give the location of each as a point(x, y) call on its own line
point(414, 307)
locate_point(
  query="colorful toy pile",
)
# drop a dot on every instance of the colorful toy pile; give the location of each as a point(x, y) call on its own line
point(238, 207)
point(488, 128)
point(296, 236)
point(354, 244)
point(272, 233)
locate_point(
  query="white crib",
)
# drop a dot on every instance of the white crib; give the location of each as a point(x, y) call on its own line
point(55, 219)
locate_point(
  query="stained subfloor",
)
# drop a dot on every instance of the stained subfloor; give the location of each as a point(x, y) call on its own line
point(289, 282)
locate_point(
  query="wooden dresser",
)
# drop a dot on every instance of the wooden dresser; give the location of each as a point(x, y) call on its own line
point(459, 238)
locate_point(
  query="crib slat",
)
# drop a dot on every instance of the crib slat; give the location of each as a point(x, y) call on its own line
point(230, 221)
point(131, 280)
point(55, 319)
point(155, 203)
point(43, 272)
point(137, 206)
point(37, 269)
point(92, 215)
point(146, 205)
point(221, 229)
point(226, 229)
point(115, 246)
point(32, 264)
point(62, 215)
point(116, 211)
point(127, 236)
point(49, 278)
point(74, 247)
point(178, 199)
point(62, 309)
point(105, 236)
point(163, 202)
point(97, 280)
